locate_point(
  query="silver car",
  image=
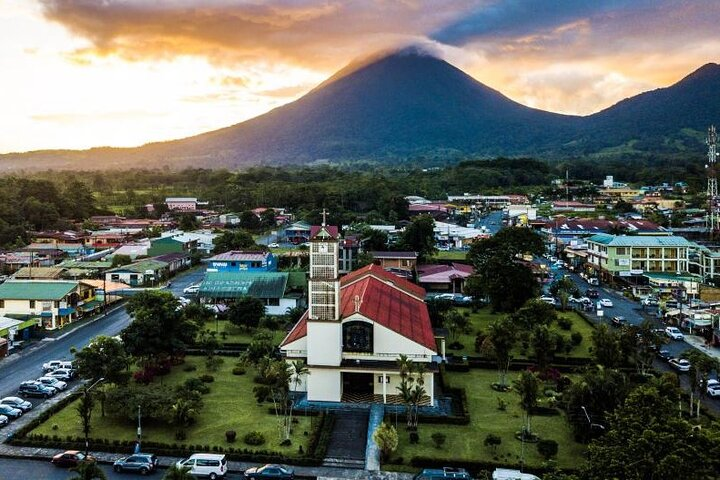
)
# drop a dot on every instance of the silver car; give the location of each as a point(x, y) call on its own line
point(53, 382)
point(3, 420)
point(17, 402)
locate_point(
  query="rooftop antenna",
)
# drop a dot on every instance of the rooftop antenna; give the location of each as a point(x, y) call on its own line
point(713, 218)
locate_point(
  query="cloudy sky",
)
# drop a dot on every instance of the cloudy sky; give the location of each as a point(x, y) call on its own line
point(83, 73)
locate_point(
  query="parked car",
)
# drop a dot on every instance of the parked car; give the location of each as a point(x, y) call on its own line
point(593, 281)
point(71, 458)
point(142, 463)
point(592, 293)
point(674, 333)
point(680, 364)
point(53, 382)
point(17, 402)
point(671, 304)
point(548, 299)
point(192, 289)
point(509, 474)
point(606, 302)
point(270, 471)
point(209, 465)
point(4, 420)
point(10, 412)
point(61, 374)
point(649, 302)
point(618, 321)
point(446, 473)
point(274, 245)
point(713, 388)
point(51, 365)
point(663, 354)
point(35, 389)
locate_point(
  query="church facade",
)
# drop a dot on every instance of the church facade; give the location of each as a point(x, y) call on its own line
point(356, 328)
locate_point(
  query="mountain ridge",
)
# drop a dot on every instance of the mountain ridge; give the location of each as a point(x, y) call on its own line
point(411, 104)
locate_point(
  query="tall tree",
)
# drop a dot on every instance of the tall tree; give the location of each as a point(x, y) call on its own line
point(419, 236)
point(606, 347)
point(234, 240)
point(499, 343)
point(246, 312)
point(528, 387)
point(105, 357)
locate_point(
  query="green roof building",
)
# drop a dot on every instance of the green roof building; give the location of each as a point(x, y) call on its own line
point(272, 288)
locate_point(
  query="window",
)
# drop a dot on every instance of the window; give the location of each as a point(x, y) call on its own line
point(273, 302)
point(32, 303)
point(2, 303)
point(621, 251)
point(384, 380)
point(57, 304)
point(358, 337)
point(114, 277)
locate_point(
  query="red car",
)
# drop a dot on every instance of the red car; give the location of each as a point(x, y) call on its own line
point(71, 458)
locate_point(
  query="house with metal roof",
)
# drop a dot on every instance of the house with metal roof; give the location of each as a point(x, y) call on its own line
point(143, 273)
point(356, 329)
point(631, 255)
point(273, 288)
point(242, 261)
point(53, 303)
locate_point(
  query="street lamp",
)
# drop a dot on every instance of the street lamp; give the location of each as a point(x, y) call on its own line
point(86, 416)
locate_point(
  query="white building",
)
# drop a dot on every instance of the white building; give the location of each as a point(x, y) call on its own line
point(356, 329)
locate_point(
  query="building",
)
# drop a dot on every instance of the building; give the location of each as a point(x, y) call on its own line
point(53, 304)
point(449, 235)
point(298, 232)
point(171, 244)
point(572, 206)
point(627, 256)
point(138, 274)
point(396, 261)
point(39, 273)
point(276, 289)
point(183, 204)
point(242, 261)
point(350, 248)
point(356, 329)
point(176, 261)
point(444, 278)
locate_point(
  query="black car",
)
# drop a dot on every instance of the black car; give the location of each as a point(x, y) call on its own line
point(618, 321)
point(664, 354)
point(35, 389)
point(592, 293)
point(142, 463)
point(268, 472)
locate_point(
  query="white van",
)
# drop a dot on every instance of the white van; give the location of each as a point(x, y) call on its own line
point(205, 465)
point(508, 474)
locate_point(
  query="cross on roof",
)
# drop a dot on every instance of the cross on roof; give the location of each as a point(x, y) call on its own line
point(324, 214)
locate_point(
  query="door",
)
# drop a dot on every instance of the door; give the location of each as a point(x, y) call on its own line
point(358, 383)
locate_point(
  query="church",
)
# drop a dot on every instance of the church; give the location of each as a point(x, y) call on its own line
point(355, 329)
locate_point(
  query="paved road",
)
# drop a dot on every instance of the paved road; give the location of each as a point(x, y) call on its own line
point(42, 469)
point(27, 365)
point(492, 221)
point(635, 315)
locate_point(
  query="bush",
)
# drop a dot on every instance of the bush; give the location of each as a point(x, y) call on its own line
point(547, 448)
point(286, 443)
point(189, 368)
point(239, 371)
point(492, 441)
point(564, 323)
point(576, 338)
point(207, 378)
point(230, 436)
point(456, 346)
point(502, 404)
point(438, 439)
point(254, 438)
point(414, 438)
point(195, 385)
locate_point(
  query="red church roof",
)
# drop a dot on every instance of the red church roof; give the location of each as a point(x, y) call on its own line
point(331, 229)
point(384, 298)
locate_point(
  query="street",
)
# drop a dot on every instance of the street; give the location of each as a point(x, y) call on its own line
point(27, 365)
point(42, 469)
point(634, 314)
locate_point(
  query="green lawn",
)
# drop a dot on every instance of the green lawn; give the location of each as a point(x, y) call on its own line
point(481, 320)
point(451, 255)
point(465, 442)
point(230, 405)
point(235, 334)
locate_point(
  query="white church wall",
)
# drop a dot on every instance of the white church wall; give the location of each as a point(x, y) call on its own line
point(324, 385)
point(324, 345)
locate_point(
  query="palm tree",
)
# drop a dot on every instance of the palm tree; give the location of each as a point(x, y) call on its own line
point(178, 473)
point(298, 370)
point(182, 414)
point(88, 471)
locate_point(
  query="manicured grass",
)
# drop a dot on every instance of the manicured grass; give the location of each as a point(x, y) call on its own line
point(230, 405)
point(235, 334)
point(451, 255)
point(481, 320)
point(465, 442)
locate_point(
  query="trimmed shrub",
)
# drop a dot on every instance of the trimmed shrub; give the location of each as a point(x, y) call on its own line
point(189, 368)
point(576, 338)
point(547, 448)
point(414, 437)
point(230, 436)
point(239, 371)
point(207, 378)
point(564, 323)
point(254, 438)
point(438, 439)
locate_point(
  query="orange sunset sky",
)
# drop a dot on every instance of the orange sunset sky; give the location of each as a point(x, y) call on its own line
point(84, 73)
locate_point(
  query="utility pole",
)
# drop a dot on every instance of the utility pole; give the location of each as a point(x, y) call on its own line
point(138, 449)
point(713, 218)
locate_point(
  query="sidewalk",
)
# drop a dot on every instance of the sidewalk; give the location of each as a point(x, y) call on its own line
point(698, 342)
point(35, 453)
